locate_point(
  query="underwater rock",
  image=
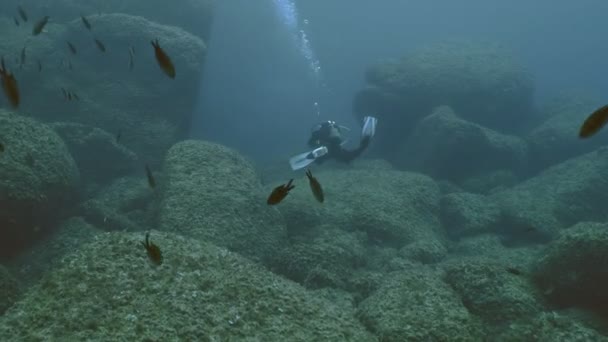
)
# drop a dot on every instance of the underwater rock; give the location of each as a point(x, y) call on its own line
point(492, 293)
point(573, 271)
point(556, 139)
point(326, 261)
point(480, 81)
point(191, 15)
point(38, 180)
point(98, 156)
point(212, 193)
point(549, 327)
point(416, 305)
point(424, 251)
point(491, 182)
point(445, 146)
point(9, 289)
point(557, 198)
point(150, 110)
point(199, 293)
point(68, 237)
point(393, 208)
point(466, 214)
point(124, 204)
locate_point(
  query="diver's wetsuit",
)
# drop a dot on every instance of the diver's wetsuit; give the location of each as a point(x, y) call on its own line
point(328, 134)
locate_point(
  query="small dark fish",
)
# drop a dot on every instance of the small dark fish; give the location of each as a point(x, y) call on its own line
point(72, 48)
point(39, 26)
point(315, 186)
point(85, 22)
point(151, 180)
point(69, 95)
point(1, 147)
point(594, 122)
point(39, 66)
point(154, 253)
point(16, 21)
point(514, 271)
point(131, 58)
point(118, 136)
point(163, 60)
point(279, 193)
point(100, 45)
point(22, 13)
point(9, 84)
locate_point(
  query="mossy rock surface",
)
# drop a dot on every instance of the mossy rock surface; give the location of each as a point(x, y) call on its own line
point(109, 291)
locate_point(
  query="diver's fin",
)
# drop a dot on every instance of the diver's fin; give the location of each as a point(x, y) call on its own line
point(302, 160)
point(369, 126)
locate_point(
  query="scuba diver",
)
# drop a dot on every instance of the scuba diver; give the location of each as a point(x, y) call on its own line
point(326, 139)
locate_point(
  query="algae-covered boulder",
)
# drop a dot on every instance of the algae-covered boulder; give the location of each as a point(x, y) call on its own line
point(556, 139)
point(193, 15)
point(326, 261)
point(9, 289)
point(199, 293)
point(481, 81)
point(549, 327)
point(415, 305)
point(38, 179)
point(43, 256)
point(393, 208)
point(92, 147)
point(212, 193)
point(491, 292)
point(445, 146)
point(466, 214)
point(574, 271)
point(559, 197)
point(124, 204)
point(151, 110)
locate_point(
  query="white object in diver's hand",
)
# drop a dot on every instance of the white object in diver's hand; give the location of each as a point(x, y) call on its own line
point(369, 126)
point(302, 160)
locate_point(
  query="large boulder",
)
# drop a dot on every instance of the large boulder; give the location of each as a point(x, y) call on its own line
point(491, 292)
point(193, 15)
point(446, 146)
point(574, 272)
point(38, 180)
point(482, 82)
point(416, 305)
point(151, 110)
point(9, 289)
point(212, 193)
point(465, 214)
point(199, 293)
point(549, 327)
point(92, 147)
point(557, 198)
point(392, 208)
point(124, 204)
point(556, 139)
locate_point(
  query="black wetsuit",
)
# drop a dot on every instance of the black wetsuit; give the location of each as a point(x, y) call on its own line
point(328, 135)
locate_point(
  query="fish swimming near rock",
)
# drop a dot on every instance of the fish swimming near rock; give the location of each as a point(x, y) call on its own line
point(164, 61)
point(279, 193)
point(16, 21)
point(594, 122)
point(154, 253)
point(150, 176)
point(22, 13)
point(100, 45)
point(9, 85)
point(40, 24)
point(315, 187)
point(85, 22)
